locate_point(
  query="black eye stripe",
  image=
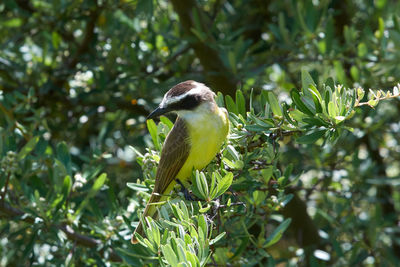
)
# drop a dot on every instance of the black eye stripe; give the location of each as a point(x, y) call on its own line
point(187, 103)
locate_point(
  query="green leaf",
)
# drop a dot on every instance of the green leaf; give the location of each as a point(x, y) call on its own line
point(276, 235)
point(28, 147)
point(288, 171)
point(327, 99)
point(185, 210)
point(133, 259)
point(55, 39)
point(217, 238)
point(315, 121)
point(340, 72)
point(230, 105)
point(316, 98)
point(220, 100)
point(287, 116)
point(381, 28)
point(309, 103)
point(64, 156)
point(266, 123)
point(330, 82)
point(332, 109)
point(232, 151)
point(12, 23)
point(285, 199)
point(299, 103)
point(213, 188)
point(152, 127)
point(167, 122)
point(273, 101)
point(155, 233)
point(306, 80)
point(202, 223)
point(204, 210)
point(236, 165)
point(67, 185)
point(169, 255)
point(224, 184)
point(92, 192)
point(240, 103)
point(137, 152)
point(282, 28)
point(311, 138)
point(201, 185)
point(137, 187)
point(98, 183)
point(251, 101)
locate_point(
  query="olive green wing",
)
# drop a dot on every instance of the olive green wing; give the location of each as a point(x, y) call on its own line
point(173, 155)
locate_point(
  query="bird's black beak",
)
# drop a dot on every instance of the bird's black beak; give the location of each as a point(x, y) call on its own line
point(158, 112)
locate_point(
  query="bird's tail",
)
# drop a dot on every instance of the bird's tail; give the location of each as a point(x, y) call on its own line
point(150, 211)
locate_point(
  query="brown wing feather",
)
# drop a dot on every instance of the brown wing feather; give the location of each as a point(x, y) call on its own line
point(174, 154)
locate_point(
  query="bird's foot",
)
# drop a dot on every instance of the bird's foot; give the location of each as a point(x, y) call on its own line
point(188, 196)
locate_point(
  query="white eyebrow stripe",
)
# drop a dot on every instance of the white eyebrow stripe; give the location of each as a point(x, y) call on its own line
point(197, 90)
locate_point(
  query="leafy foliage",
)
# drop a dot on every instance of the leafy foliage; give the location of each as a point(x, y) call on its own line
point(309, 176)
point(261, 187)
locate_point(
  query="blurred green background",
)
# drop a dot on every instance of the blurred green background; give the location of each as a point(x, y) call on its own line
point(79, 78)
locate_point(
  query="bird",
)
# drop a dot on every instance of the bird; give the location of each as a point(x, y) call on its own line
point(200, 129)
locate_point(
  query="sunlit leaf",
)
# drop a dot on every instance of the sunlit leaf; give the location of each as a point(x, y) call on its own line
point(276, 235)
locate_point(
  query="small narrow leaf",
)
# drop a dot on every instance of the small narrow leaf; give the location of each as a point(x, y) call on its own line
point(64, 156)
point(277, 233)
point(273, 101)
point(311, 138)
point(137, 187)
point(152, 127)
point(230, 105)
point(67, 185)
point(167, 122)
point(224, 184)
point(220, 100)
point(99, 182)
point(202, 223)
point(232, 151)
point(299, 103)
point(169, 255)
point(332, 110)
point(330, 82)
point(306, 80)
point(28, 147)
point(316, 98)
point(240, 103)
point(217, 238)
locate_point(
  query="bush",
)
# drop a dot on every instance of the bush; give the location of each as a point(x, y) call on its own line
point(312, 173)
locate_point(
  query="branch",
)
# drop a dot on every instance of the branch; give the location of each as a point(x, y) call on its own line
point(83, 47)
point(218, 75)
point(8, 211)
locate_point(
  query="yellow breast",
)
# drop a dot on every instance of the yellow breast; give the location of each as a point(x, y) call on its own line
point(207, 131)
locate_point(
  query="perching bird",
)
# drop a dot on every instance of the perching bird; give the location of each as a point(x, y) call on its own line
point(198, 133)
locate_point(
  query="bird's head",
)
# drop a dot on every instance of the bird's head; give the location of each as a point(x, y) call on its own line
point(185, 97)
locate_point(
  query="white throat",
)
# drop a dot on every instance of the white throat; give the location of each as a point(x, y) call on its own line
point(205, 109)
